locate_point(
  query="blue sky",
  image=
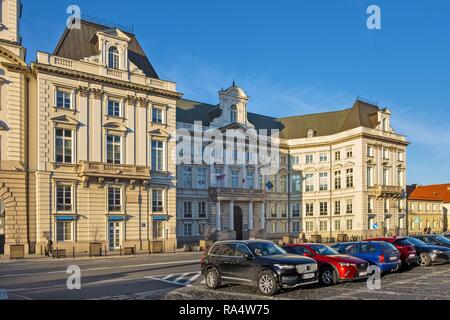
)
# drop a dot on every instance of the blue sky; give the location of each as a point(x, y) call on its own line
point(293, 57)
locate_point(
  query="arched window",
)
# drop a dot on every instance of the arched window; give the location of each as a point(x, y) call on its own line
point(384, 125)
point(234, 114)
point(113, 58)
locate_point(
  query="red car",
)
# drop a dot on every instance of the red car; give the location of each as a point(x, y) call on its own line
point(333, 267)
point(408, 253)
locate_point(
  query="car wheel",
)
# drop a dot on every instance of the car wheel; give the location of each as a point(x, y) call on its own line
point(267, 283)
point(212, 279)
point(328, 277)
point(424, 260)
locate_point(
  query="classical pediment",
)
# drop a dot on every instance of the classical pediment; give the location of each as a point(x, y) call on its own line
point(159, 133)
point(115, 126)
point(309, 169)
point(116, 33)
point(349, 164)
point(65, 120)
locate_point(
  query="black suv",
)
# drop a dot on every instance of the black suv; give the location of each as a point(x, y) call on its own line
point(429, 254)
point(258, 263)
point(434, 240)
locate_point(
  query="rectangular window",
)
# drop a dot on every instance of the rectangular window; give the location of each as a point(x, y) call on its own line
point(370, 205)
point(400, 156)
point(349, 153)
point(337, 207)
point(220, 178)
point(157, 229)
point(64, 198)
point(309, 209)
point(385, 153)
point(187, 230)
point(323, 157)
point(283, 184)
point(114, 108)
point(157, 155)
point(323, 181)
point(114, 199)
point(273, 227)
point(400, 178)
point(187, 177)
point(283, 211)
point(296, 227)
point(201, 210)
point(296, 183)
point(337, 156)
point(157, 201)
point(386, 206)
point(349, 207)
point(250, 180)
point(337, 180)
point(295, 160)
point(64, 231)
point(309, 182)
point(201, 178)
point(113, 149)
point(369, 177)
point(349, 225)
point(187, 209)
point(309, 226)
point(323, 225)
point(370, 151)
point(337, 225)
point(296, 210)
point(201, 229)
point(157, 115)
point(235, 179)
point(273, 210)
point(385, 176)
point(63, 146)
point(349, 178)
point(324, 208)
point(63, 99)
point(309, 159)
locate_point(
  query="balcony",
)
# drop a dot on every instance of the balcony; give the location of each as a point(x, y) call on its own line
point(230, 194)
point(386, 191)
point(106, 170)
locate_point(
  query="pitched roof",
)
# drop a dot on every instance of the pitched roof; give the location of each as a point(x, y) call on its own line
point(77, 44)
point(328, 123)
point(437, 192)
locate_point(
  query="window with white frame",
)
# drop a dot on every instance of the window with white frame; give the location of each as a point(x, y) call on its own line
point(385, 153)
point(219, 177)
point(273, 210)
point(157, 155)
point(113, 58)
point(309, 182)
point(114, 108)
point(337, 207)
point(296, 182)
point(201, 208)
point(323, 157)
point(63, 99)
point(370, 205)
point(369, 177)
point(114, 199)
point(296, 227)
point(233, 114)
point(273, 227)
point(386, 206)
point(309, 226)
point(187, 209)
point(157, 115)
point(64, 231)
point(324, 208)
point(400, 155)
point(309, 158)
point(187, 229)
point(113, 149)
point(296, 210)
point(201, 178)
point(337, 180)
point(349, 153)
point(349, 178)
point(235, 179)
point(349, 206)
point(337, 156)
point(400, 177)
point(349, 225)
point(64, 195)
point(283, 210)
point(337, 225)
point(250, 179)
point(370, 151)
point(157, 229)
point(295, 160)
point(309, 209)
point(385, 176)
point(187, 177)
point(323, 181)
point(323, 225)
point(157, 201)
point(63, 145)
point(201, 229)
point(283, 184)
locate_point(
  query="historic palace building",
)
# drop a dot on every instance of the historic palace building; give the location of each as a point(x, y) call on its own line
point(88, 155)
point(340, 173)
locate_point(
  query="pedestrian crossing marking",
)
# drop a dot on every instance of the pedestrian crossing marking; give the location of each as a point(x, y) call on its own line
point(181, 279)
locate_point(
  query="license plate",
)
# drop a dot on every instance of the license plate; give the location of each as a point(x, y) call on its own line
point(309, 276)
point(393, 258)
point(363, 274)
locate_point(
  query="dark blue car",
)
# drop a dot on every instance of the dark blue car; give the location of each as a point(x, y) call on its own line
point(382, 254)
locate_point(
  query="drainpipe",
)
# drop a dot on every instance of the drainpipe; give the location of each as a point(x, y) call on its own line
point(27, 157)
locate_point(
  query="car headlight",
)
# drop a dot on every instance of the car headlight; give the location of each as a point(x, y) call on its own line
point(343, 264)
point(284, 266)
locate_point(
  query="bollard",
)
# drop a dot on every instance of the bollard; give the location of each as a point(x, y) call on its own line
point(73, 252)
point(120, 248)
point(105, 250)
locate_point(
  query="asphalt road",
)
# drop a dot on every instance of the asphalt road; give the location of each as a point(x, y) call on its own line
point(177, 277)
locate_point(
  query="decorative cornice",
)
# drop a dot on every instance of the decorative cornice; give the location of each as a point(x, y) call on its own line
point(84, 91)
point(80, 75)
point(98, 93)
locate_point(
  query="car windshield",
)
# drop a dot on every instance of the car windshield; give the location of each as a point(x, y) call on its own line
point(402, 242)
point(416, 242)
point(324, 250)
point(388, 246)
point(263, 249)
point(443, 240)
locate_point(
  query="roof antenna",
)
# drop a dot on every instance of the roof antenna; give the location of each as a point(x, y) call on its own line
point(234, 83)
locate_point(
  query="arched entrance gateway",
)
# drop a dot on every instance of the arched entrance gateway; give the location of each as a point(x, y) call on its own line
point(238, 223)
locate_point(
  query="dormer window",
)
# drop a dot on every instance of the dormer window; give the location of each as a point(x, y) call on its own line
point(234, 114)
point(311, 133)
point(113, 58)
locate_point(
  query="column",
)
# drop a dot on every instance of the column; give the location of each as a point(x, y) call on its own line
point(231, 215)
point(218, 216)
point(262, 215)
point(250, 215)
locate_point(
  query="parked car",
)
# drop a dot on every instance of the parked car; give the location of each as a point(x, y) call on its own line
point(430, 254)
point(333, 267)
point(434, 240)
point(380, 253)
point(408, 253)
point(447, 235)
point(259, 263)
